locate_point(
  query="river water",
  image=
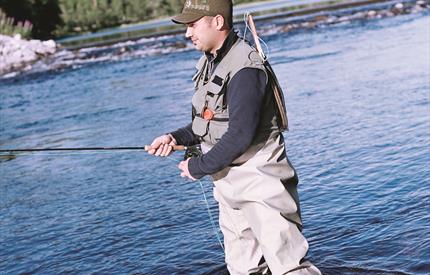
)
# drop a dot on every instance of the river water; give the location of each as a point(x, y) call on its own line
point(358, 98)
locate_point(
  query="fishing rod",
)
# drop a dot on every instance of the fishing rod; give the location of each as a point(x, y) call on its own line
point(145, 148)
point(255, 36)
point(277, 91)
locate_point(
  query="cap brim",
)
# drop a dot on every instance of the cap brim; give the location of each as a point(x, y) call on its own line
point(186, 18)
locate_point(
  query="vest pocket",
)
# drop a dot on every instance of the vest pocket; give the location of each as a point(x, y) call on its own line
point(200, 126)
point(215, 96)
point(216, 130)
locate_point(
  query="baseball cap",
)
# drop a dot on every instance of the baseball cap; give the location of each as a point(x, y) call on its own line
point(195, 9)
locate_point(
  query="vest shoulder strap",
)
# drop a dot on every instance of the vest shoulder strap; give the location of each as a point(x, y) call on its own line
point(240, 56)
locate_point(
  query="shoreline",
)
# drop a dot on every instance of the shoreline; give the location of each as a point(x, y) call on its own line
point(156, 26)
point(18, 56)
point(162, 27)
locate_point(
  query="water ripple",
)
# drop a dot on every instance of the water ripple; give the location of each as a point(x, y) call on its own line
point(358, 103)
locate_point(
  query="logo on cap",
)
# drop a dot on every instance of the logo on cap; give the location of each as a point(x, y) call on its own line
point(200, 5)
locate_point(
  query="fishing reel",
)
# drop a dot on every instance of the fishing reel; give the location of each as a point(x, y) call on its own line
point(193, 151)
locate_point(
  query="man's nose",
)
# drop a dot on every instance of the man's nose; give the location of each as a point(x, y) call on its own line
point(188, 33)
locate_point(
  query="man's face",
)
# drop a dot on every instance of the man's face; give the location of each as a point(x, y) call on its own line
point(203, 34)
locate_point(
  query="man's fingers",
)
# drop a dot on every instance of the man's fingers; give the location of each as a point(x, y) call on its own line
point(165, 151)
point(169, 150)
point(162, 150)
point(151, 149)
point(161, 146)
point(155, 145)
point(157, 142)
point(159, 150)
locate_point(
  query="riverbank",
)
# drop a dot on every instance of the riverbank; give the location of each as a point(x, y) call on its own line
point(17, 54)
point(164, 26)
point(20, 56)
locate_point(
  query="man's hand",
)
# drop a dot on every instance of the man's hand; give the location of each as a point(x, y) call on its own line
point(162, 146)
point(183, 165)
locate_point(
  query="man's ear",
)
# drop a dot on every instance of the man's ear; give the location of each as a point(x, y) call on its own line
point(220, 22)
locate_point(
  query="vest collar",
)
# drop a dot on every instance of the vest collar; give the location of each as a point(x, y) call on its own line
point(225, 48)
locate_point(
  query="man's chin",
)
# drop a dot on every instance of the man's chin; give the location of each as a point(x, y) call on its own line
point(199, 47)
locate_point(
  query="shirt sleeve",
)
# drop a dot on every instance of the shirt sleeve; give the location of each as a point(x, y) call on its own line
point(185, 136)
point(245, 94)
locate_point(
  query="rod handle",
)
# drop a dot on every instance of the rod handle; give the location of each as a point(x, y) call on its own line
point(175, 147)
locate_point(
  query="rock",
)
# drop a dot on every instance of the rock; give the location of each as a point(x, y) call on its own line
point(331, 19)
point(17, 54)
point(10, 75)
point(50, 46)
point(358, 15)
point(421, 3)
point(398, 9)
point(388, 13)
point(371, 14)
point(398, 6)
point(419, 6)
point(343, 19)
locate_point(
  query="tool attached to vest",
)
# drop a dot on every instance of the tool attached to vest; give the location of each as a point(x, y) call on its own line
point(208, 114)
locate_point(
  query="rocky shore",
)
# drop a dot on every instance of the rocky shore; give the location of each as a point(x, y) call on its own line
point(18, 55)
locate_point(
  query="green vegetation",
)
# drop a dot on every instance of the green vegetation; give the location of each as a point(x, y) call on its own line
point(8, 26)
point(53, 18)
point(91, 15)
point(44, 15)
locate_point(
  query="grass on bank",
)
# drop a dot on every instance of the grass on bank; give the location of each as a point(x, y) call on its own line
point(9, 27)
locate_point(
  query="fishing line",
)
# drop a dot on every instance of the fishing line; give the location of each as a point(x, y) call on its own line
point(211, 217)
point(214, 227)
point(245, 20)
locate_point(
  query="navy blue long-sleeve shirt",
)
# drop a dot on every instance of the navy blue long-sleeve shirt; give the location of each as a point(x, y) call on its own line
point(245, 94)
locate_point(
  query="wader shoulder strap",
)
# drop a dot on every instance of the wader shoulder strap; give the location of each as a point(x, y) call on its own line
point(279, 98)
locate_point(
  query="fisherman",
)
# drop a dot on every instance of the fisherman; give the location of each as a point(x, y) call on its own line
point(238, 124)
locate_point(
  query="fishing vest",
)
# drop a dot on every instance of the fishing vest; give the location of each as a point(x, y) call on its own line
point(210, 109)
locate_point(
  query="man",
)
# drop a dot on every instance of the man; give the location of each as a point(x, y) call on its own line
point(237, 122)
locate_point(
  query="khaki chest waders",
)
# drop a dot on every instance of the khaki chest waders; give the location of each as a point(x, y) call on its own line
point(257, 193)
